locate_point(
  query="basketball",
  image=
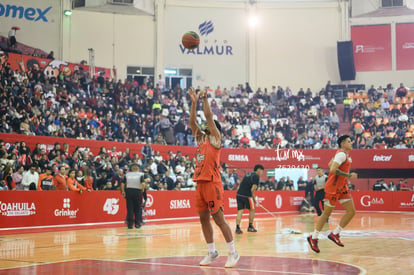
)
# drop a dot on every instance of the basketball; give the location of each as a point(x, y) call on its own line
point(190, 40)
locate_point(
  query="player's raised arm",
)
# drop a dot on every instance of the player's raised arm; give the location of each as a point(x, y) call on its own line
point(215, 136)
point(193, 116)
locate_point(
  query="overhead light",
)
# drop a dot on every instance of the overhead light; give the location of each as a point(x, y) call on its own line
point(138, 71)
point(253, 21)
point(67, 12)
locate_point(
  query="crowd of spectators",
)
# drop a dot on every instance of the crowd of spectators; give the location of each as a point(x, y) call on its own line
point(382, 118)
point(381, 185)
point(76, 106)
point(80, 170)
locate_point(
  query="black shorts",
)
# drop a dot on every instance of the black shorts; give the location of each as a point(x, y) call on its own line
point(244, 203)
point(12, 40)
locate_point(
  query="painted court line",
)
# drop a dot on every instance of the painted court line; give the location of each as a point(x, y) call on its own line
point(221, 268)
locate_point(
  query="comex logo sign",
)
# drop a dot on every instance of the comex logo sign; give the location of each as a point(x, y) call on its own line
point(366, 201)
point(215, 46)
point(31, 14)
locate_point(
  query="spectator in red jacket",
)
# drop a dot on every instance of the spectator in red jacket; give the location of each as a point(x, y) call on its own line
point(60, 179)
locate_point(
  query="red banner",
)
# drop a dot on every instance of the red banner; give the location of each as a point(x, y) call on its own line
point(180, 204)
point(43, 208)
point(243, 158)
point(374, 201)
point(405, 46)
point(404, 201)
point(50, 67)
point(372, 48)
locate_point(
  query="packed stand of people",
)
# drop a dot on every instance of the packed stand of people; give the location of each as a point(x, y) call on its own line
point(381, 185)
point(80, 170)
point(382, 118)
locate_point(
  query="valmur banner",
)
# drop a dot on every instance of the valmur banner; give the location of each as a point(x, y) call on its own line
point(372, 47)
point(404, 36)
point(242, 158)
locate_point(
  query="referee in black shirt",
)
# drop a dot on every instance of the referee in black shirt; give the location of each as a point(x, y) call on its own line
point(245, 197)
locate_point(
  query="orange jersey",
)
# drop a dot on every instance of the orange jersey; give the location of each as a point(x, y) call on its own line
point(88, 181)
point(74, 185)
point(335, 182)
point(208, 162)
point(45, 182)
point(60, 182)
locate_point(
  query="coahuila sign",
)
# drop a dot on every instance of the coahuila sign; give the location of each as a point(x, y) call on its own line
point(17, 208)
point(31, 14)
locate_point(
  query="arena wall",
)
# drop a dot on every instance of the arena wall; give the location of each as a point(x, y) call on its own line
point(294, 43)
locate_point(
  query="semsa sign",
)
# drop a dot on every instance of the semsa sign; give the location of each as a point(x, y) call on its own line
point(21, 12)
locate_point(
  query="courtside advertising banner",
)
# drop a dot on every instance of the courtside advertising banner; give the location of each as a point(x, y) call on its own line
point(26, 209)
point(45, 208)
point(373, 200)
point(172, 205)
point(372, 48)
point(404, 35)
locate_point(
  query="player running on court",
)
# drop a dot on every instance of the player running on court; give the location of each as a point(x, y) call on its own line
point(210, 192)
point(336, 189)
point(245, 197)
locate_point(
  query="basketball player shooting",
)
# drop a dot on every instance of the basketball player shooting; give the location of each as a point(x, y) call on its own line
point(336, 189)
point(210, 192)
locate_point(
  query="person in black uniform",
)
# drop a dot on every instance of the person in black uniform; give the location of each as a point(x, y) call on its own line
point(245, 197)
point(319, 185)
point(133, 193)
point(144, 196)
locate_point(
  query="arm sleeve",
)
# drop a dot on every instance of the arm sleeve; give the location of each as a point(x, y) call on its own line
point(39, 183)
point(71, 186)
point(144, 194)
point(25, 179)
point(340, 158)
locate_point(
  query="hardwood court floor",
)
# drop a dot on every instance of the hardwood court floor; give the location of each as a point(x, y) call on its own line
point(375, 243)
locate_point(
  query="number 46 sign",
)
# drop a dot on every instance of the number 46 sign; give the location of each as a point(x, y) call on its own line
point(111, 206)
